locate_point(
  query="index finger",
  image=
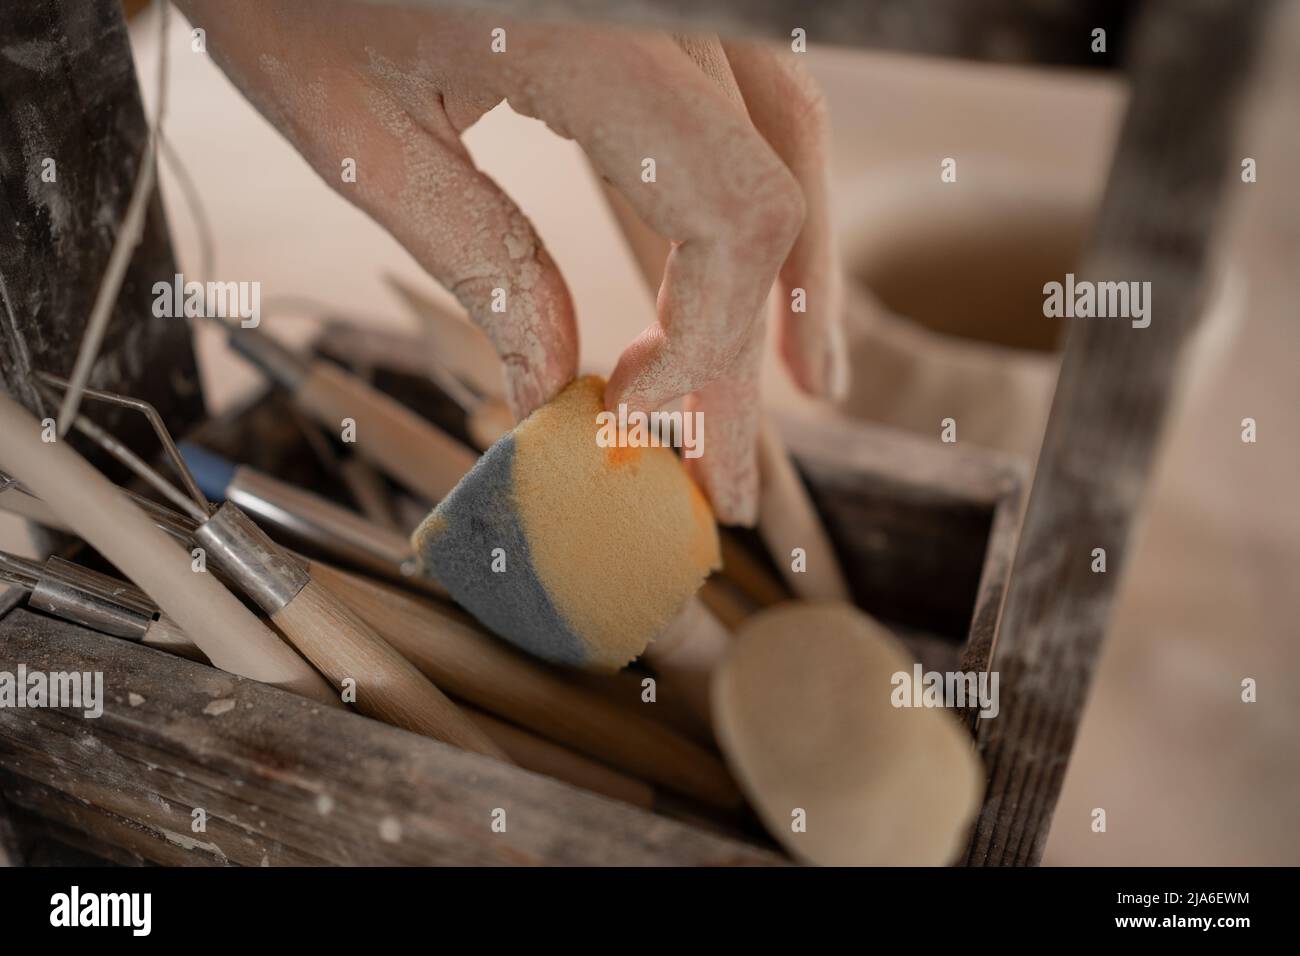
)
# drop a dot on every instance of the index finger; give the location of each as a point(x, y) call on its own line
point(694, 169)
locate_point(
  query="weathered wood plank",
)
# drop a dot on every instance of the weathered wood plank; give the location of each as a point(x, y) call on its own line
point(47, 837)
point(977, 655)
point(10, 849)
point(85, 826)
point(285, 782)
point(1115, 387)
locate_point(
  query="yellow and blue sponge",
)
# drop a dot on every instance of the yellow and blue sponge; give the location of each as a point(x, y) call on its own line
point(599, 547)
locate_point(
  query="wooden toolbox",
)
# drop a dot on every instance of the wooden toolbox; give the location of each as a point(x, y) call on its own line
point(926, 532)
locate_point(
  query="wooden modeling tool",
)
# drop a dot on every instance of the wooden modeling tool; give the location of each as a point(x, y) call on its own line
point(726, 602)
point(748, 574)
point(370, 492)
point(473, 666)
point(337, 642)
point(487, 417)
point(686, 653)
point(486, 420)
point(368, 488)
point(788, 520)
point(628, 689)
point(542, 756)
point(804, 711)
point(457, 344)
point(410, 449)
point(452, 353)
point(97, 510)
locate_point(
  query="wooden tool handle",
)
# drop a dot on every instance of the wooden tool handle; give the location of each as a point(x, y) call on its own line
point(787, 520)
point(476, 667)
point(542, 756)
point(369, 491)
point(408, 448)
point(687, 652)
point(388, 686)
point(100, 512)
point(488, 422)
point(748, 573)
point(461, 346)
point(725, 600)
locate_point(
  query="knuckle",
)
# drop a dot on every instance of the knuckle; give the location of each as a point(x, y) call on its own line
point(775, 212)
point(808, 102)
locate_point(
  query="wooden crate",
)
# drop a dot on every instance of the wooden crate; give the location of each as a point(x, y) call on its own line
point(121, 784)
point(926, 532)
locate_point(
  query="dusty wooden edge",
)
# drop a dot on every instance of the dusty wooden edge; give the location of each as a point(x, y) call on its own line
point(894, 458)
point(284, 781)
point(979, 476)
point(1115, 387)
point(995, 579)
point(11, 853)
point(912, 468)
point(1013, 31)
point(43, 811)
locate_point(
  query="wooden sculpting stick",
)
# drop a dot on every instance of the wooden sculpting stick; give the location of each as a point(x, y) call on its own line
point(329, 634)
point(409, 448)
point(99, 511)
point(546, 757)
point(388, 687)
point(476, 667)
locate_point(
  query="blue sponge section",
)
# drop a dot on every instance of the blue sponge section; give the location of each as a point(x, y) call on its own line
point(456, 548)
point(212, 472)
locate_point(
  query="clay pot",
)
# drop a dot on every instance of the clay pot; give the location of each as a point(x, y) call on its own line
point(944, 303)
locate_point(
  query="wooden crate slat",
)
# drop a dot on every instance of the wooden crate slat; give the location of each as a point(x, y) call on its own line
point(392, 797)
point(1114, 391)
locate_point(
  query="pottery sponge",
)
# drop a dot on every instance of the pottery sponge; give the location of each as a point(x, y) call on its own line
point(577, 553)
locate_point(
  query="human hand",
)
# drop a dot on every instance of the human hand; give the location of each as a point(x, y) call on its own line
point(741, 200)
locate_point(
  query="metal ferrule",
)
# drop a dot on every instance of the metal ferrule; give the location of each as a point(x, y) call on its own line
point(20, 572)
point(266, 572)
point(178, 526)
point(307, 518)
point(279, 363)
point(94, 600)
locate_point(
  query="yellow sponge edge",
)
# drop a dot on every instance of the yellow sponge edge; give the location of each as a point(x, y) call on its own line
point(620, 538)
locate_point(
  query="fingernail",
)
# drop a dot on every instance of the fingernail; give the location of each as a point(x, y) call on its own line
point(835, 366)
point(737, 502)
point(529, 386)
point(824, 369)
